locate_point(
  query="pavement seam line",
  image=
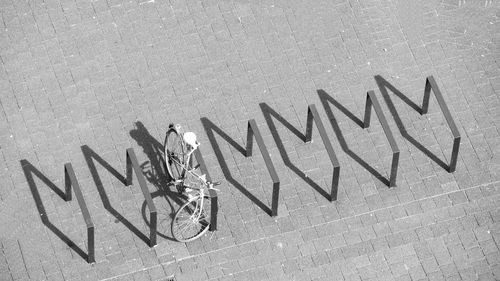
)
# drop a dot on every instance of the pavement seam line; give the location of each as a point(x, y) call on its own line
point(365, 213)
point(270, 237)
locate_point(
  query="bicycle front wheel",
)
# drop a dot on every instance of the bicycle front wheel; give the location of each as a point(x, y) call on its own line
point(175, 155)
point(192, 220)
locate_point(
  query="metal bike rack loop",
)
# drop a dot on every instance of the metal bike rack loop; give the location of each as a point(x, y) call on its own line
point(430, 84)
point(214, 205)
point(312, 117)
point(133, 166)
point(70, 181)
point(253, 131)
point(371, 101)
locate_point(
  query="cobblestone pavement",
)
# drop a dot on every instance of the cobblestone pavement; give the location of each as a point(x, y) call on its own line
point(112, 75)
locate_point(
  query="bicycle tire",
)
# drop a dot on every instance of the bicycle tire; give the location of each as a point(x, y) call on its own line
point(184, 215)
point(175, 156)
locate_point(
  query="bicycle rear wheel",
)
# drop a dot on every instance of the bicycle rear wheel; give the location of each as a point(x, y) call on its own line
point(192, 220)
point(175, 155)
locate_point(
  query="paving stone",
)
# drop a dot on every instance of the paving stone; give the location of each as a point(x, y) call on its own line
point(90, 71)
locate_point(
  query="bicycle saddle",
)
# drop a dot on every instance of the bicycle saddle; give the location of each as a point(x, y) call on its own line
point(190, 138)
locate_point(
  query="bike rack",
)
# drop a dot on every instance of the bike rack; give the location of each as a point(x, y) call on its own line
point(312, 117)
point(133, 166)
point(430, 84)
point(70, 181)
point(214, 207)
point(253, 131)
point(372, 101)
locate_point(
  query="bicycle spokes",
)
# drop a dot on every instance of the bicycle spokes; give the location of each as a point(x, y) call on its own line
point(191, 220)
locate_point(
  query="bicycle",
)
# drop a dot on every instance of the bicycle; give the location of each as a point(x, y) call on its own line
point(192, 220)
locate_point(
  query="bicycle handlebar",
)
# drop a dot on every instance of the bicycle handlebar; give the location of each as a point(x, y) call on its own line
point(210, 186)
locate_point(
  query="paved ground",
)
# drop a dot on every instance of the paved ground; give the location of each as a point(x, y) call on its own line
point(112, 74)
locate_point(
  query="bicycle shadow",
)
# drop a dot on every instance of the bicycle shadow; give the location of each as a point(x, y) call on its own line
point(326, 100)
point(155, 172)
point(383, 85)
point(29, 171)
point(210, 128)
point(269, 113)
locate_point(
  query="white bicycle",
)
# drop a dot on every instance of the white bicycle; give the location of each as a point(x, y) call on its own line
point(192, 220)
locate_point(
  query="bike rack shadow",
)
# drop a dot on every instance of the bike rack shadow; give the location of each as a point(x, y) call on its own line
point(90, 156)
point(252, 131)
point(371, 101)
point(312, 115)
point(429, 85)
point(70, 180)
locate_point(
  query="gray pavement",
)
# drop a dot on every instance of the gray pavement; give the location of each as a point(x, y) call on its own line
point(113, 74)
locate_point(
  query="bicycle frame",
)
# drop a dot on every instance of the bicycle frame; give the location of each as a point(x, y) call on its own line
point(201, 191)
point(187, 166)
point(201, 178)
